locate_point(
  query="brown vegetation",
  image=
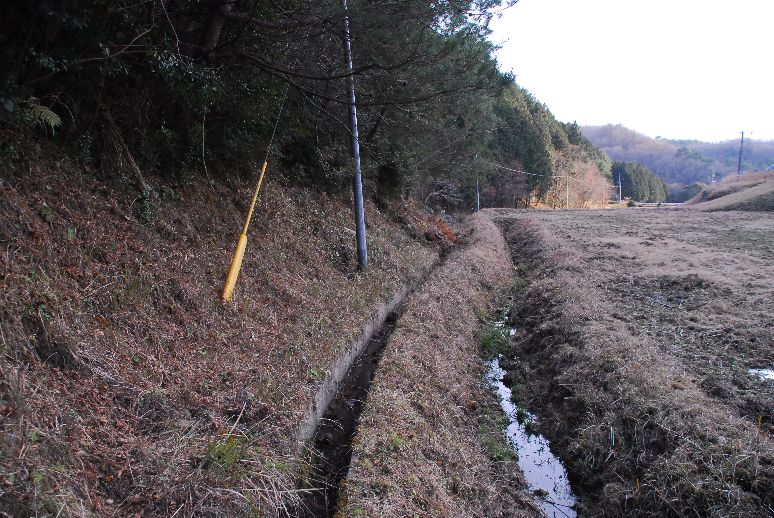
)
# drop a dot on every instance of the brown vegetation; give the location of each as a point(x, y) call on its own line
point(637, 330)
point(126, 387)
point(680, 162)
point(750, 192)
point(418, 451)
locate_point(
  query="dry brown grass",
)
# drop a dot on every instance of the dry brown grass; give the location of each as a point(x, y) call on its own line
point(637, 329)
point(751, 192)
point(417, 451)
point(126, 387)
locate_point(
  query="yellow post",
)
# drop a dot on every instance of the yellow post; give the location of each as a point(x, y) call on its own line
point(239, 253)
point(233, 271)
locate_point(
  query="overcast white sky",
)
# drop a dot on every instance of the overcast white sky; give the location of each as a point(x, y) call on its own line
point(701, 69)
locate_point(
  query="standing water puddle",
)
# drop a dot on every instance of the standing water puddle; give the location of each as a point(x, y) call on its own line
point(763, 374)
point(545, 474)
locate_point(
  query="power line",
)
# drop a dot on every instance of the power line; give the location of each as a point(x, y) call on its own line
point(498, 166)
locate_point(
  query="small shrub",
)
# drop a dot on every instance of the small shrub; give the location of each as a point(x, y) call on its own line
point(223, 458)
point(495, 341)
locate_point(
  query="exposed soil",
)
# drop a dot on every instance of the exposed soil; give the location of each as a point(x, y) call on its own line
point(637, 330)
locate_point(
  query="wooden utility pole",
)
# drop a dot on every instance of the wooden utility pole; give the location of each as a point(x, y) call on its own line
point(739, 167)
point(357, 181)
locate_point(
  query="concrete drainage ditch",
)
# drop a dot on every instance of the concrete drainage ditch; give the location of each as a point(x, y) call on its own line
point(332, 450)
point(326, 432)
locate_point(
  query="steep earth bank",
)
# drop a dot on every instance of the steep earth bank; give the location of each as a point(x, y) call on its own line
point(126, 387)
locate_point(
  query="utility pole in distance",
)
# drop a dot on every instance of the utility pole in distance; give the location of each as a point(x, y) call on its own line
point(357, 181)
point(739, 167)
point(619, 186)
point(478, 191)
point(478, 196)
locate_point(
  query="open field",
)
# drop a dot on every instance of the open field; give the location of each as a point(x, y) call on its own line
point(637, 333)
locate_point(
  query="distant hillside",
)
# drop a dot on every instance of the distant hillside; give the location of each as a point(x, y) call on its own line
point(680, 161)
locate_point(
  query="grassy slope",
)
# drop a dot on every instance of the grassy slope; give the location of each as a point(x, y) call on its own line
point(419, 446)
point(752, 192)
point(122, 375)
point(626, 392)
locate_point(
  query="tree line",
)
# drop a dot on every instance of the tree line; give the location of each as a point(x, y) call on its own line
point(639, 183)
point(188, 86)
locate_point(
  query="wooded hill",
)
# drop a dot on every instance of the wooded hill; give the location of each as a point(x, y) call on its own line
point(639, 183)
point(681, 161)
point(193, 87)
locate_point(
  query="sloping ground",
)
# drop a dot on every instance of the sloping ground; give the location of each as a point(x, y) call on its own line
point(418, 451)
point(636, 332)
point(126, 387)
point(751, 191)
point(758, 197)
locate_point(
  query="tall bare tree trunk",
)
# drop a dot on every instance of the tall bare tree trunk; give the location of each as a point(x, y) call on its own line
point(214, 26)
point(210, 37)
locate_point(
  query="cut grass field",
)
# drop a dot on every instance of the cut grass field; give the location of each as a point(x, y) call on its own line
point(637, 331)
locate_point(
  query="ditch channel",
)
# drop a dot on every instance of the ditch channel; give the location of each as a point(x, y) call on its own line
point(331, 450)
point(544, 472)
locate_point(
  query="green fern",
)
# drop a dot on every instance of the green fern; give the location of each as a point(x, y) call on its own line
point(43, 115)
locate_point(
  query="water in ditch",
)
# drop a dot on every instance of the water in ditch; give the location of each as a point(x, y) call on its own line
point(763, 374)
point(546, 476)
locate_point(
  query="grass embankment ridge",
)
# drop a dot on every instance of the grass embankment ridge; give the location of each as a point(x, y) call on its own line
point(751, 192)
point(419, 450)
point(126, 387)
point(638, 434)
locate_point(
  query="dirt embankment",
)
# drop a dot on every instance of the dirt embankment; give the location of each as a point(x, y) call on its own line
point(418, 450)
point(636, 332)
point(751, 192)
point(126, 387)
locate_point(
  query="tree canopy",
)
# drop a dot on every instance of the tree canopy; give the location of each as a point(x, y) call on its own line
point(639, 183)
point(191, 83)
